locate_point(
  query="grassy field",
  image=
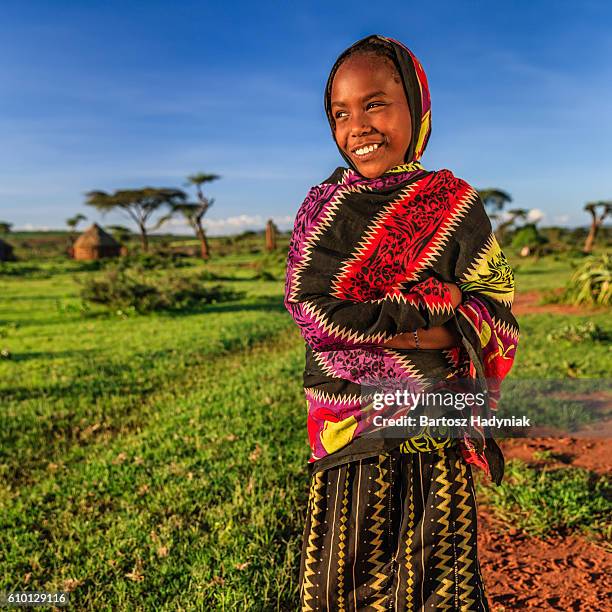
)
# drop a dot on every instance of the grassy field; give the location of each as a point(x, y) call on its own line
point(158, 462)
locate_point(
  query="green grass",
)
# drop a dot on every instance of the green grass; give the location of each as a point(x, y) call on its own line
point(533, 274)
point(552, 501)
point(159, 462)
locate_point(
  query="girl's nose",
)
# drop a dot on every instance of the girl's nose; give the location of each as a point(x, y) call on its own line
point(360, 124)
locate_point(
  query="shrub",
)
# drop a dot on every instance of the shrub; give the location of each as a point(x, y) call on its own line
point(590, 283)
point(580, 332)
point(124, 290)
point(150, 261)
point(527, 236)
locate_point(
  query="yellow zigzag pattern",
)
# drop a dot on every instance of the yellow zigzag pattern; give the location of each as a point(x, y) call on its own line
point(409, 547)
point(441, 550)
point(377, 530)
point(342, 545)
point(464, 561)
point(490, 273)
point(314, 499)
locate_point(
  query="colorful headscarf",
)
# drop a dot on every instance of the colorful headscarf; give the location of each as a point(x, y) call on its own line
point(416, 88)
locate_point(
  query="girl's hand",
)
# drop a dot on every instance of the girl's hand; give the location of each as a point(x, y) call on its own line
point(456, 295)
point(442, 337)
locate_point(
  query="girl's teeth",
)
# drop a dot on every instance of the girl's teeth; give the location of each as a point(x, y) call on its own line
point(365, 150)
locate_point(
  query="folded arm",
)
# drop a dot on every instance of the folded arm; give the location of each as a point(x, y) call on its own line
point(329, 323)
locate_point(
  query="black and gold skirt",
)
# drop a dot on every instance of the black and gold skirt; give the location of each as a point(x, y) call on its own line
point(392, 532)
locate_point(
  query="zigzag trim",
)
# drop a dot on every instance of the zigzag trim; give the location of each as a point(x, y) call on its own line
point(498, 325)
point(472, 271)
point(342, 542)
point(311, 561)
point(377, 530)
point(324, 396)
point(410, 603)
point(436, 247)
point(369, 236)
point(505, 328)
point(465, 560)
point(441, 551)
point(404, 363)
point(309, 242)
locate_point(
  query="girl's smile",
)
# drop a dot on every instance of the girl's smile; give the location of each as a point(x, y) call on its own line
point(371, 114)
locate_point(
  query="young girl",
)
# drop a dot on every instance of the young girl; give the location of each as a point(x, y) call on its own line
point(393, 273)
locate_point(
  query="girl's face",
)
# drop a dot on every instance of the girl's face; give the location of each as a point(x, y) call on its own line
point(370, 109)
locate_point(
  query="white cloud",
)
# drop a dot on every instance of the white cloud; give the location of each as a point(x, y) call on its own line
point(535, 215)
point(29, 227)
point(230, 225)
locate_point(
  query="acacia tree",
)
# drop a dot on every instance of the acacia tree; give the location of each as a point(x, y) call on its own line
point(72, 223)
point(596, 221)
point(120, 233)
point(194, 212)
point(495, 200)
point(512, 217)
point(139, 205)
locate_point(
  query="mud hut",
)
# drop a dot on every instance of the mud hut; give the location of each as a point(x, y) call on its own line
point(6, 251)
point(95, 243)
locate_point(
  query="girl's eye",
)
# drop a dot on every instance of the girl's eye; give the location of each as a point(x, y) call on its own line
point(339, 113)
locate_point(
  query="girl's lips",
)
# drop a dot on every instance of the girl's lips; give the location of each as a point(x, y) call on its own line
point(370, 155)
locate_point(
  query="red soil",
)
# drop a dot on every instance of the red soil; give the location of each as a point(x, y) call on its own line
point(555, 573)
point(528, 303)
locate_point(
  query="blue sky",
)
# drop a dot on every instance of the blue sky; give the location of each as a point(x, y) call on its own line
point(110, 94)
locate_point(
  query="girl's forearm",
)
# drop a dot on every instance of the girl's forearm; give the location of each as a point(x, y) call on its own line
point(442, 337)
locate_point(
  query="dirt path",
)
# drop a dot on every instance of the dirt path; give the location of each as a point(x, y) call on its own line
point(557, 573)
point(528, 303)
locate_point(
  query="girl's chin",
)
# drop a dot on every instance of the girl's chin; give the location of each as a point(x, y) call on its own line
point(373, 169)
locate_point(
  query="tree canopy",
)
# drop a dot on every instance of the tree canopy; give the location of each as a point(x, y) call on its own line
point(138, 204)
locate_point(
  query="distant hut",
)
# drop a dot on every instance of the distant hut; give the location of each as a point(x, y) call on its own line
point(95, 243)
point(6, 251)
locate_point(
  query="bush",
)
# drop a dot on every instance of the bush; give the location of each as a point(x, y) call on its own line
point(150, 261)
point(590, 283)
point(580, 332)
point(527, 236)
point(124, 291)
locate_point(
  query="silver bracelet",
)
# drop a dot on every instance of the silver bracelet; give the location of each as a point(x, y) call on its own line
point(416, 339)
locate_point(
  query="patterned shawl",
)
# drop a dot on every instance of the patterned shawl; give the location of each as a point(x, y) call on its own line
point(367, 261)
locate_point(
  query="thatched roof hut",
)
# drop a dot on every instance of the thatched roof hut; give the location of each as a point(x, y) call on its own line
point(6, 251)
point(95, 243)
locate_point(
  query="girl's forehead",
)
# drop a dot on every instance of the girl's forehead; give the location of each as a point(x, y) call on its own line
point(362, 74)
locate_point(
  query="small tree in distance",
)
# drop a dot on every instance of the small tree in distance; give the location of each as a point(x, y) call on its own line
point(512, 217)
point(596, 221)
point(72, 222)
point(5, 227)
point(139, 205)
point(194, 212)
